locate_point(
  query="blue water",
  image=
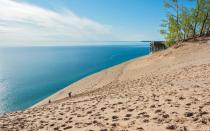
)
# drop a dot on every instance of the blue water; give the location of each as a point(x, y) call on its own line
point(30, 74)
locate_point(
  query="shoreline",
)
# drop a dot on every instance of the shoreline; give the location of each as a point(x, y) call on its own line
point(60, 72)
point(63, 93)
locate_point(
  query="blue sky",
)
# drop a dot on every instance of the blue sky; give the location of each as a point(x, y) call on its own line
point(54, 21)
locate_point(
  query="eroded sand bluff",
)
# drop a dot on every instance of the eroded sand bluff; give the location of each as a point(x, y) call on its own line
point(168, 90)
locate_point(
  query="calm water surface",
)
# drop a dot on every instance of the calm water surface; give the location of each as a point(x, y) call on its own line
point(30, 74)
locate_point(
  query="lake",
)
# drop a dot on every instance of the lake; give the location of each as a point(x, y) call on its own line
point(30, 74)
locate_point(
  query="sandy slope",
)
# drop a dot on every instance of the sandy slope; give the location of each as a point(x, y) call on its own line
point(169, 90)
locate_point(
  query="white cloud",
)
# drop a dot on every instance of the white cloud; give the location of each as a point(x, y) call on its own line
point(22, 22)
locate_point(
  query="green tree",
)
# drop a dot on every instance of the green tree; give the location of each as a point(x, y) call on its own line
point(205, 4)
point(170, 27)
point(183, 23)
point(195, 17)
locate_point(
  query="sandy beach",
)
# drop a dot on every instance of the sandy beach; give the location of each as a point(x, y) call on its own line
point(167, 90)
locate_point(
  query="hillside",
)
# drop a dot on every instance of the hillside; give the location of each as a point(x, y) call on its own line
point(167, 90)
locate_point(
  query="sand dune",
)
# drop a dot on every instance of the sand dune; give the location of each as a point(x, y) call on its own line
point(168, 90)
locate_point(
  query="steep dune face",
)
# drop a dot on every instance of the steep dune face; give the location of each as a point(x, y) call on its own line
point(168, 90)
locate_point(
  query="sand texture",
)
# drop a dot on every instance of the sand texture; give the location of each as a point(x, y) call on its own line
point(168, 90)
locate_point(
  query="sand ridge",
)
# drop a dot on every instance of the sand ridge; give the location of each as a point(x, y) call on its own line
point(168, 90)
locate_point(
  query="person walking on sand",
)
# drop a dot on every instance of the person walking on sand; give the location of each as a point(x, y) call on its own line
point(69, 94)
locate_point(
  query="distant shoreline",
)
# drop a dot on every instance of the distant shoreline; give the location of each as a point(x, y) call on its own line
point(77, 44)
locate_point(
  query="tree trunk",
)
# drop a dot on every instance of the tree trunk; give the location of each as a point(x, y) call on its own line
point(177, 19)
point(208, 30)
point(194, 30)
point(203, 24)
point(197, 12)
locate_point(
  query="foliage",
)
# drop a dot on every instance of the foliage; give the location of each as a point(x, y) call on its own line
point(183, 23)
